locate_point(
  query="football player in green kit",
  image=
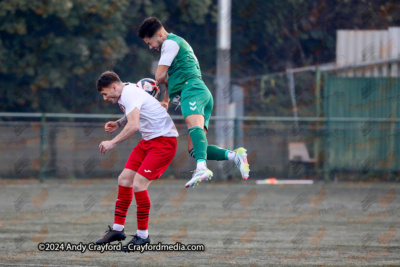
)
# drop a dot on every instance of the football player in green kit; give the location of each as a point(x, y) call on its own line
point(179, 69)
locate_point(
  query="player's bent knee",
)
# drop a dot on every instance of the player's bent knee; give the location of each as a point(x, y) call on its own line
point(125, 180)
point(194, 120)
point(137, 187)
point(140, 183)
point(126, 177)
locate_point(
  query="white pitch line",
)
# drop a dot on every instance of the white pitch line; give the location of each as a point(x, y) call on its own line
point(283, 182)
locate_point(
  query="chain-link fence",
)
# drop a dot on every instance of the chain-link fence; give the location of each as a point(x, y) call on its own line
point(315, 148)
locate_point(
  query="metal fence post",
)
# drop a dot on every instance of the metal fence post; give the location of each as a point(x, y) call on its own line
point(43, 130)
point(326, 140)
point(317, 143)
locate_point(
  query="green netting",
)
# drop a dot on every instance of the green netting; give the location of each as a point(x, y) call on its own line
point(367, 145)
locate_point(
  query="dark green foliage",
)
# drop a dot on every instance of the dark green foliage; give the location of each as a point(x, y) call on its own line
point(51, 53)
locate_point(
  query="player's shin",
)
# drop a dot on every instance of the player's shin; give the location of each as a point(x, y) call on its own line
point(216, 153)
point(143, 210)
point(117, 233)
point(200, 144)
point(125, 196)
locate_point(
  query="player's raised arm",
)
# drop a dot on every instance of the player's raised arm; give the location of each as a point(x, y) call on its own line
point(132, 126)
point(162, 74)
point(165, 101)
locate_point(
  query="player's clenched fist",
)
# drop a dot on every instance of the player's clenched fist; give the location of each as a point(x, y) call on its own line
point(106, 146)
point(111, 126)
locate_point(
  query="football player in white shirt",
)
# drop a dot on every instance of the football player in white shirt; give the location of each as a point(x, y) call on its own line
point(148, 160)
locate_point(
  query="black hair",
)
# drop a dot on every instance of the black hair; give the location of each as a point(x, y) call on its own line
point(149, 27)
point(106, 79)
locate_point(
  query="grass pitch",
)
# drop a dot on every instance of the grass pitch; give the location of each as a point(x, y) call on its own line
point(240, 224)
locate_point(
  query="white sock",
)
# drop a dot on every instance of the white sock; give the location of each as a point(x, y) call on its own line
point(202, 165)
point(118, 227)
point(143, 233)
point(231, 155)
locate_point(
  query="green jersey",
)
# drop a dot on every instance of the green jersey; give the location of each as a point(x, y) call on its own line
point(183, 65)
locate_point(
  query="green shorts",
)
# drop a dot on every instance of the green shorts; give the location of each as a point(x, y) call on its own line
point(196, 98)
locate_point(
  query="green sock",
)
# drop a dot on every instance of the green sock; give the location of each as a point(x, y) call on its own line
point(217, 153)
point(200, 143)
point(214, 153)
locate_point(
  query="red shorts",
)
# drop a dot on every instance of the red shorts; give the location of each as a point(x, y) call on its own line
point(151, 158)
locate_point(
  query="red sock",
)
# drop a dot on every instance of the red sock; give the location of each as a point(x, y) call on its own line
point(125, 196)
point(143, 209)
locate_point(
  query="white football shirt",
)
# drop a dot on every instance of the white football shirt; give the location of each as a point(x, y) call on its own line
point(169, 50)
point(154, 119)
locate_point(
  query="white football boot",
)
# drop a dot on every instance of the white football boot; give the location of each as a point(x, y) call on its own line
point(241, 162)
point(198, 176)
